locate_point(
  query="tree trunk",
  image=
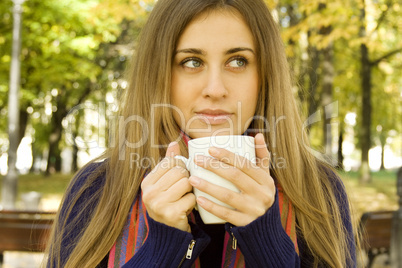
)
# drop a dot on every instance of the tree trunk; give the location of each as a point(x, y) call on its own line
point(10, 181)
point(54, 150)
point(313, 79)
point(75, 133)
point(365, 138)
point(54, 158)
point(340, 150)
point(74, 163)
point(23, 124)
point(396, 231)
point(302, 80)
point(326, 94)
point(34, 159)
point(382, 167)
point(383, 141)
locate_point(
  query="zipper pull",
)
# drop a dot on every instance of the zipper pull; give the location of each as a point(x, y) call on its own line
point(234, 242)
point(190, 249)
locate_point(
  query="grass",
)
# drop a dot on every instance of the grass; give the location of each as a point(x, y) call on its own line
point(54, 184)
point(380, 194)
point(51, 187)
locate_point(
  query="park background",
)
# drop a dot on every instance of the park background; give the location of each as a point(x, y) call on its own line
point(345, 56)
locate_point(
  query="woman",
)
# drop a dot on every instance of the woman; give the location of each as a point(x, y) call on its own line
point(202, 68)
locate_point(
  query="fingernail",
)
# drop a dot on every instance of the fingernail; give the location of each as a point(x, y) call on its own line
point(261, 137)
point(200, 200)
point(194, 181)
point(172, 143)
point(199, 159)
point(214, 151)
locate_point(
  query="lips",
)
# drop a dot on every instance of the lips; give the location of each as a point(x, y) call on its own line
point(214, 116)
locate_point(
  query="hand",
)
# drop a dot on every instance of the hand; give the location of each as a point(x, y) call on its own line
point(257, 188)
point(167, 193)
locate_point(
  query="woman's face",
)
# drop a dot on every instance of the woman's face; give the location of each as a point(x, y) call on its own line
point(215, 76)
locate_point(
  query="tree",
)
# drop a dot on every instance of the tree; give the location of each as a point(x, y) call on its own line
point(330, 53)
point(387, 119)
point(11, 179)
point(63, 62)
point(367, 64)
point(319, 26)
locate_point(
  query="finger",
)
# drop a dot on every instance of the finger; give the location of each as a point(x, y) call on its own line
point(161, 169)
point(252, 205)
point(171, 177)
point(224, 170)
point(231, 166)
point(179, 189)
point(173, 149)
point(187, 203)
point(261, 152)
point(223, 194)
point(160, 199)
point(172, 212)
point(177, 213)
point(233, 159)
point(234, 217)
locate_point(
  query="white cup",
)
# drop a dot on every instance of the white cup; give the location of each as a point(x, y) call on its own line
point(240, 145)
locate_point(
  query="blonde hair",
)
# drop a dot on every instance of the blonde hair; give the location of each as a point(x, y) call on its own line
point(303, 181)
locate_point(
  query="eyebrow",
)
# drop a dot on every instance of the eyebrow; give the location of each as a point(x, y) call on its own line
point(202, 52)
point(239, 49)
point(191, 51)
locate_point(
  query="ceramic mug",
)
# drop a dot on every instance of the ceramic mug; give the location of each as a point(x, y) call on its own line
point(241, 145)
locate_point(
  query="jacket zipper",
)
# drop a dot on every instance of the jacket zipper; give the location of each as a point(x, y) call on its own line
point(234, 242)
point(189, 253)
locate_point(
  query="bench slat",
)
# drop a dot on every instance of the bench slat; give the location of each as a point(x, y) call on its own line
point(24, 230)
point(376, 228)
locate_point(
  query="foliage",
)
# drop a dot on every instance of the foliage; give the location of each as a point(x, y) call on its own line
point(72, 51)
point(309, 26)
point(77, 50)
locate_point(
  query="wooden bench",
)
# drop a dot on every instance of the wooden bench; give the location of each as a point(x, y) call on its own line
point(375, 228)
point(24, 230)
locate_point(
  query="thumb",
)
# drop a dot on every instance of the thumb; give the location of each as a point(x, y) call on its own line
point(173, 149)
point(262, 153)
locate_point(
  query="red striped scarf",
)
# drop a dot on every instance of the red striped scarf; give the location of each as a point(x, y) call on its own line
point(135, 233)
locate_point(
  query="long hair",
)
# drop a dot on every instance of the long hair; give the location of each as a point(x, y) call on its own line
point(146, 126)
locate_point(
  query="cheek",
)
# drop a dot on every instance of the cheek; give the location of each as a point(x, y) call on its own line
point(180, 99)
point(174, 89)
point(181, 106)
point(178, 118)
point(249, 107)
point(249, 103)
point(174, 97)
point(180, 90)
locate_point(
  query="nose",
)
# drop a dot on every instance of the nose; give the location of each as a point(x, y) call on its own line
point(215, 87)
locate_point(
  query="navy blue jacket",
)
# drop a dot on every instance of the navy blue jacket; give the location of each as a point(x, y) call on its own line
point(263, 242)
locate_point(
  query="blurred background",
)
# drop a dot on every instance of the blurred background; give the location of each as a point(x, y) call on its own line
point(345, 56)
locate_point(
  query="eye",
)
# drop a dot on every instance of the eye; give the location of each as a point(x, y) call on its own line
point(237, 63)
point(192, 63)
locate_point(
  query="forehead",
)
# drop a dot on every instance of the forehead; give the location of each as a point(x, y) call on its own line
point(217, 27)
